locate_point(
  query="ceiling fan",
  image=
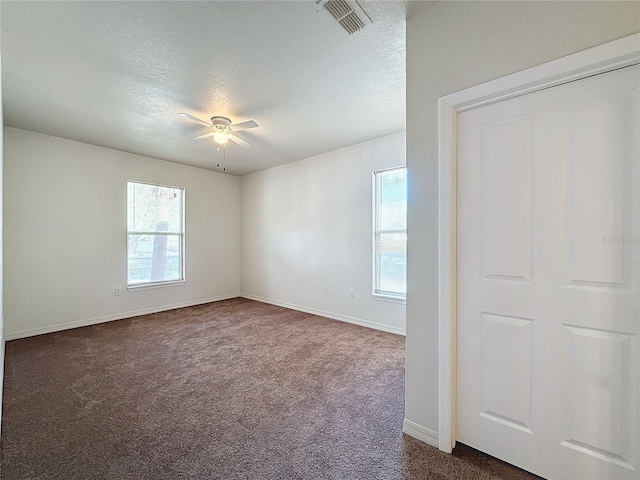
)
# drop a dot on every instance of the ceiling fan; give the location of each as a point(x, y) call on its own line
point(223, 130)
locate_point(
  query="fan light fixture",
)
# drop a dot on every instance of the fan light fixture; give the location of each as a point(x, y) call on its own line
point(221, 129)
point(221, 136)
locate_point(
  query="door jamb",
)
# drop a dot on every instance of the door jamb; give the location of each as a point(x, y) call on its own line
point(607, 57)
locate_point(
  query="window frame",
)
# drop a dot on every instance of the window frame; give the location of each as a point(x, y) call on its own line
point(376, 293)
point(159, 283)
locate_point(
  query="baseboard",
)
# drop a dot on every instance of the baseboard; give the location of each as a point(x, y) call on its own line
point(423, 434)
point(109, 318)
point(333, 316)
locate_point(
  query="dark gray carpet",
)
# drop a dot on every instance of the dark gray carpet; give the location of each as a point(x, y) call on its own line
point(228, 390)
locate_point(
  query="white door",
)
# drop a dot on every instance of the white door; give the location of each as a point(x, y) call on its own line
point(548, 194)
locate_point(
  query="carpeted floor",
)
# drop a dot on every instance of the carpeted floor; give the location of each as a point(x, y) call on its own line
point(228, 390)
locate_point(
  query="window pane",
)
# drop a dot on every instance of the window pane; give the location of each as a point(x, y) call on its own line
point(154, 258)
point(154, 209)
point(392, 199)
point(155, 234)
point(390, 232)
point(392, 263)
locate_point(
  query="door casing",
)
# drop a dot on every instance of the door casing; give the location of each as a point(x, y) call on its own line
point(601, 59)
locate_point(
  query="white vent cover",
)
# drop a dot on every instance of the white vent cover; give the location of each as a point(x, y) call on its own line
point(347, 13)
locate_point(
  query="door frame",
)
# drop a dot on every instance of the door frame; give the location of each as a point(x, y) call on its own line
point(601, 59)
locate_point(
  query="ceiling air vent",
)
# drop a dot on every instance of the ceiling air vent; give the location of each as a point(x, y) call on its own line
point(347, 13)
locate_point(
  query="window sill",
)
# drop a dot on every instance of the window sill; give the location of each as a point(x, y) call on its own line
point(389, 298)
point(147, 286)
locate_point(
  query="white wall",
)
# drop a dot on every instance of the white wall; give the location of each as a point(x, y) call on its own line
point(65, 234)
point(2, 337)
point(452, 46)
point(307, 224)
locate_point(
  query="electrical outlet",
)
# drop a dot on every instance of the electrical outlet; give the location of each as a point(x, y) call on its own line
point(351, 293)
point(118, 291)
point(324, 289)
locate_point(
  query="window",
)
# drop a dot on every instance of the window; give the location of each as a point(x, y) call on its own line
point(390, 233)
point(155, 230)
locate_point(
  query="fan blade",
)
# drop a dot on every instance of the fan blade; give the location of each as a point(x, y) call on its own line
point(206, 135)
point(244, 125)
point(239, 141)
point(194, 119)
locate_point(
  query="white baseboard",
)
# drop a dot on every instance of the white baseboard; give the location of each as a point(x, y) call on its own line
point(334, 316)
point(423, 434)
point(108, 318)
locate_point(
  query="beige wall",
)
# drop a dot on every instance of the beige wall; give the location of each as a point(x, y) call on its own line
point(65, 234)
point(452, 46)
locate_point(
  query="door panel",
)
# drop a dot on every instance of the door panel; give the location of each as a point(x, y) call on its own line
point(596, 203)
point(505, 380)
point(600, 368)
point(506, 198)
point(548, 308)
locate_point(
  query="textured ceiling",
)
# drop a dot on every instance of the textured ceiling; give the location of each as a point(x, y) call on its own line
point(116, 74)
